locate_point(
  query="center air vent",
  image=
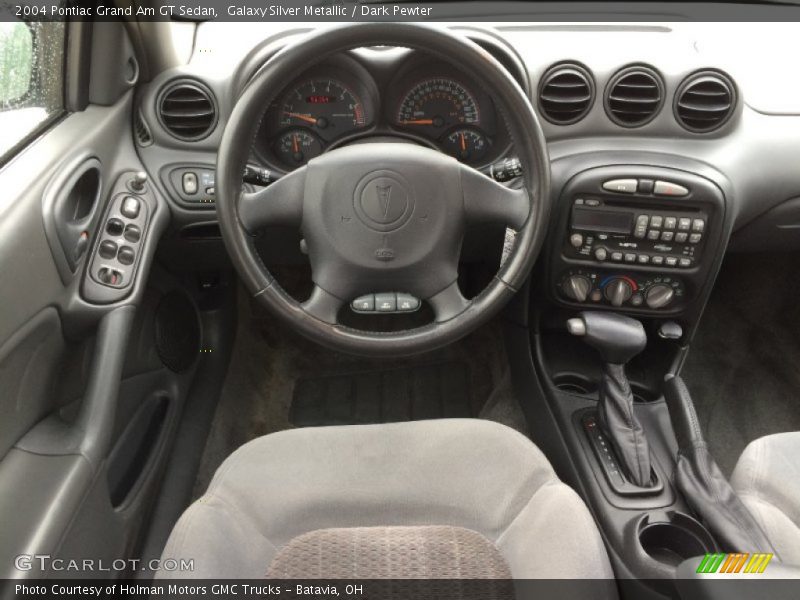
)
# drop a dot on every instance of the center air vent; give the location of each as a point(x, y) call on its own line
point(187, 110)
point(566, 94)
point(634, 96)
point(705, 101)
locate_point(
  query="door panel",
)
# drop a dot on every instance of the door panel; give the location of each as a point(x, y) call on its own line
point(63, 355)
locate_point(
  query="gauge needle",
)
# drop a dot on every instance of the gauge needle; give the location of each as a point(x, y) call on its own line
point(418, 122)
point(463, 143)
point(295, 146)
point(306, 118)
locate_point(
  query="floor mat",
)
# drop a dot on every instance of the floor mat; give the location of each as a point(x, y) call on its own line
point(274, 375)
point(742, 370)
point(384, 396)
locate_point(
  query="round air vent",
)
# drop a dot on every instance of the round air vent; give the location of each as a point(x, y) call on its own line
point(187, 110)
point(634, 96)
point(705, 101)
point(566, 93)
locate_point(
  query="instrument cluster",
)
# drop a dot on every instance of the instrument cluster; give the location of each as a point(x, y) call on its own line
point(341, 101)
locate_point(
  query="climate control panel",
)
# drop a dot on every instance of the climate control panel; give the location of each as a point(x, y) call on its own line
point(621, 290)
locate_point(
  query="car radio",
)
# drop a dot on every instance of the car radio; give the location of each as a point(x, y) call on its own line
point(609, 230)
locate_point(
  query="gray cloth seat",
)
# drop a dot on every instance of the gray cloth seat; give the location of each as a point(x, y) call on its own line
point(302, 490)
point(767, 479)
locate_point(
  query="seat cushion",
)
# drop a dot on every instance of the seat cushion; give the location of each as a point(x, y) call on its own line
point(454, 473)
point(767, 479)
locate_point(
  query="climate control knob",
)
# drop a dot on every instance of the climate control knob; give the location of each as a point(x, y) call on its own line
point(659, 296)
point(618, 291)
point(577, 287)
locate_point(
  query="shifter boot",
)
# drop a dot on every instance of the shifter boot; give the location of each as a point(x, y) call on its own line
point(618, 339)
point(702, 483)
point(621, 425)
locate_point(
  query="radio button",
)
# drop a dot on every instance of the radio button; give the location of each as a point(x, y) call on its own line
point(671, 261)
point(579, 202)
point(630, 257)
point(646, 186)
point(576, 240)
point(685, 262)
point(667, 236)
point(656, 221)
point(616, 256)
point(670, 222)
point(626, 186)
point(657, 260)
point(641, 226)
point(593, 202)
point(684, 224)
point(601, 254)
point(644, 259)
point(681, 237)
point(698, 225)
point(653, 234)
point(665, 188)
point(695, 238)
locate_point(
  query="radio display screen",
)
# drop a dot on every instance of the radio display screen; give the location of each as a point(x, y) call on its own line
point(602, 220)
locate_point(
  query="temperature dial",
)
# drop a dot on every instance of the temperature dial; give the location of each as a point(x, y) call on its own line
point(297, 146)
point(618, 291)
point(467, 145)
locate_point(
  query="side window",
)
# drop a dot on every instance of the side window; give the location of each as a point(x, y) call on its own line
point(31, 80)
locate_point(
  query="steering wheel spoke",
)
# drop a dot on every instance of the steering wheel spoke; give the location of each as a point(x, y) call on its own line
point(486, 201)
point(323, 305)
point(448, 303)
point(280, 203)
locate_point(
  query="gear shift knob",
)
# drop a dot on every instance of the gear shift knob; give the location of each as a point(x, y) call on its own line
point(616, 337)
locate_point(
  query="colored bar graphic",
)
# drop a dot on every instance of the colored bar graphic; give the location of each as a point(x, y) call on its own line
point(735, 562)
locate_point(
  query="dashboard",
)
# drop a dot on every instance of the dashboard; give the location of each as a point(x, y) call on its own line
point(340, 101)
point(680, 95)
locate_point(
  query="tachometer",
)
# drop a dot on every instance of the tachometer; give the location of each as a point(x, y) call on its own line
point(468, 145)
point(296, 147)
point(435, 105)
point(326, 106)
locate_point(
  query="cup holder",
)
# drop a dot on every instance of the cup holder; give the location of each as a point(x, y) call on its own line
point(574, 383)
point(675, 539)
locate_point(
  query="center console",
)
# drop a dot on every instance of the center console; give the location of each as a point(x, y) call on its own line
point(644, 242)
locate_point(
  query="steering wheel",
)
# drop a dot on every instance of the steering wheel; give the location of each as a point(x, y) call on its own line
point(383, 217)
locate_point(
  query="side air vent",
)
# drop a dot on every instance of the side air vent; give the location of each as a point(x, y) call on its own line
point(566, 94)
point(704, 101)
point(187, 110)
point(634, 96)
point(141, 130)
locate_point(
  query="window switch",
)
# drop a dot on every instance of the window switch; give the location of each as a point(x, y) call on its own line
point(107, 249)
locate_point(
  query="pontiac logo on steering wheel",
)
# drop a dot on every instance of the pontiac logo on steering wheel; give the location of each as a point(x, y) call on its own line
point(384, 197)
point(383, 200)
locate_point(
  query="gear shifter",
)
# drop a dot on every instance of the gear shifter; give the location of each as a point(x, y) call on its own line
point(618, 339)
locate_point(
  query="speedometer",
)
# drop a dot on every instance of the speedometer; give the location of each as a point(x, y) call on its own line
point(326, 106)
point(435, 105)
